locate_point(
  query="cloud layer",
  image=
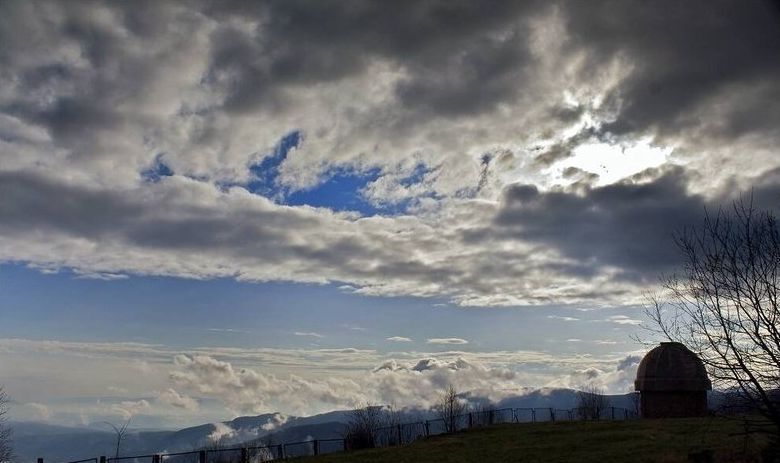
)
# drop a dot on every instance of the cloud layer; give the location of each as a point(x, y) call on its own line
point(150, 139)
point(208, 383)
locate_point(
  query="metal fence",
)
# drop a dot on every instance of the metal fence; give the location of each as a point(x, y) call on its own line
point(387, 436)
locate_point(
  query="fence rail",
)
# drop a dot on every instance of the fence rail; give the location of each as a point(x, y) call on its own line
point(387, 436)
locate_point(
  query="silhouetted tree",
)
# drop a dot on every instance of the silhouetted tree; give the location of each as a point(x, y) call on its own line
point(449, 408)
point(119, 435)
point(725, 303)
point(592, 403)
point(261, 449)
point(484, 414)
point(265, 452)
point(391, 420)
point(6, 452)
point(362, 426)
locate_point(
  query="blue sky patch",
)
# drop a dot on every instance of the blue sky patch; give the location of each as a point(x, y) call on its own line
point(418, 175)
point(341, 188)
point(340, 192)
point(157, 170)
point(267, 171)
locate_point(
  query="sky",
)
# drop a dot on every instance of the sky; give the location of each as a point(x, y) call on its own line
point(212, 209)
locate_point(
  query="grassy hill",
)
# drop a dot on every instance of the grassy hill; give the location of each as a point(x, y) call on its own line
point(667, 441)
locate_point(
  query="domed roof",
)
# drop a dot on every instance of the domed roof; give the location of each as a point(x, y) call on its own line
point(671, 367)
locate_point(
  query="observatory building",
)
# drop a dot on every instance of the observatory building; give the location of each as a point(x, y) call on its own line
point(672, 382)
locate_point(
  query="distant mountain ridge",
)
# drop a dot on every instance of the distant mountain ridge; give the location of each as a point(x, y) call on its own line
point(58, 444)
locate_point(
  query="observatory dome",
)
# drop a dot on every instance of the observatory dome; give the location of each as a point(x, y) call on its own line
point(672, 367)
point(673, 382)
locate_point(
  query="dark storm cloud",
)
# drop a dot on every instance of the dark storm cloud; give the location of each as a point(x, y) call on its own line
point(466, 57)
point(486, 72)
point(458, 58)
point(625, 225)
point(454, 57)
point(31, 203)
point(682, 55)
point(74, 105)
point(86, 71)
point(562, 149)
point(628, 225)
point(184, 218)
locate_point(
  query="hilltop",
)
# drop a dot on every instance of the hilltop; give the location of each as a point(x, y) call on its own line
point(639, 441)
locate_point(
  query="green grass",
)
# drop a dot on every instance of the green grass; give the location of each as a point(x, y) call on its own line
point(668, 441)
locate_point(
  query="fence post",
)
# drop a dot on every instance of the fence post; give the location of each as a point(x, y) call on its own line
point(244, 455)
point(40, 460)
point(471, 420)
point(552, 415)
point(400, 440)
point(316, 447)
point(282, 453)
point(156, 458)
point(613, 413)
point(427, 429)
point(103, 459)
point(202, 456)
point(533, 415)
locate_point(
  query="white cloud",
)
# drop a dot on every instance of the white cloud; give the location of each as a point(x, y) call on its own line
point(221, 432)
point(353, 327)
point(562, 318)
point(446, 341)
point(623, 320)
point(228, 330)
point(236, 381)
point(405, 384)
point(246, 390)
point(277, 420)
point(41, 412)
point(615, 377)
point(399, 339)
point(129, 408)
point(310, 334)
point(171, 397)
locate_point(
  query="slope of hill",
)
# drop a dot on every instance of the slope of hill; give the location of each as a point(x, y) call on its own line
point(58, 443)
point(639, 441)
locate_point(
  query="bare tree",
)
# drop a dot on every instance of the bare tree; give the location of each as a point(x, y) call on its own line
point(262, 449)
point(265, 451)
point(592, 403)
point(119, 433)
point(216, 448)
point(6, 452)
point(484, 414)
point(361, 429)
point(391, 420)
point(449, 408)
point(725, 304)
